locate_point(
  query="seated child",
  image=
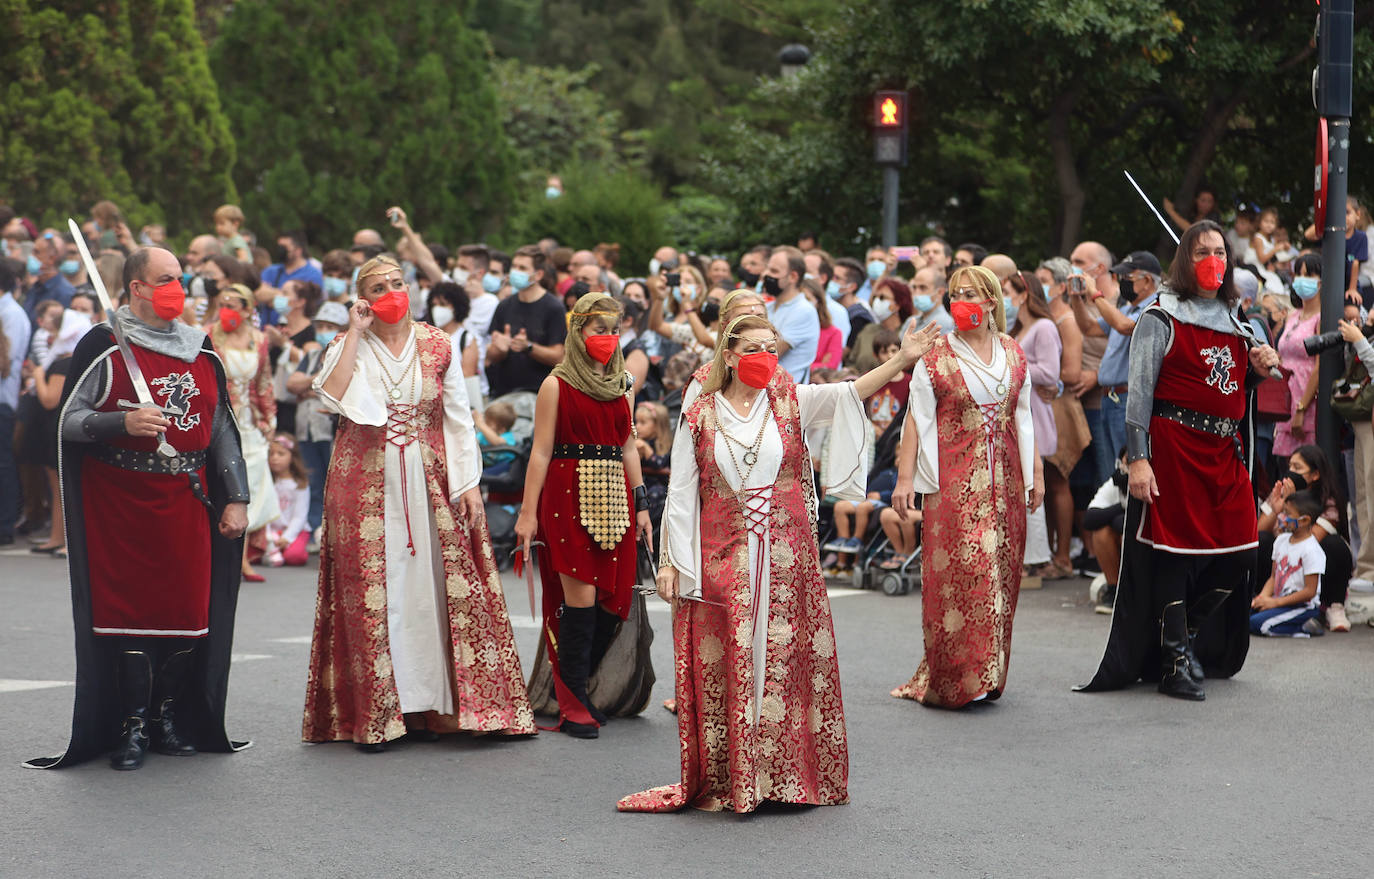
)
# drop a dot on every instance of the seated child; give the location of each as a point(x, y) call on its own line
point(851, 519)
point(1103, 524)
point(1290, 595)
point(287, 535)
point(884, 404)
point(494, 429)
point(905, 536)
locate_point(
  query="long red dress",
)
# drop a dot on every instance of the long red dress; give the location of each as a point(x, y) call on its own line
point(797, 750)
point(973, 538)
point(568, 547)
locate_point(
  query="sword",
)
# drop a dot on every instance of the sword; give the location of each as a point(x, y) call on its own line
point(1146, 199)
point(145, 396)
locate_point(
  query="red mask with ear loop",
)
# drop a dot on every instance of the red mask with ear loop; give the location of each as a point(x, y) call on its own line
point(1209, 271)
point(756, 370)
point(601, 348)
point(967, 315)
point(391, 307)
point(229, 319)
point(168, 300)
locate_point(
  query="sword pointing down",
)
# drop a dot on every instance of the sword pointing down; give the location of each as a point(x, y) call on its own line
point(145, 396)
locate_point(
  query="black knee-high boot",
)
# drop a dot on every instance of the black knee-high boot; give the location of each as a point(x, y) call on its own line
point(576, 628)
point(134, 671)
point(1174, 677)
point(169, 688)
point(1210, 602)
point(607, 627)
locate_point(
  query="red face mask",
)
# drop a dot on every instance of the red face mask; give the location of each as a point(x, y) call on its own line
point(967, 315)
point(1209, 272)
point(602, 347)
point(756, 370)
point(229, 319)
point(391, 307)
point(168, 300)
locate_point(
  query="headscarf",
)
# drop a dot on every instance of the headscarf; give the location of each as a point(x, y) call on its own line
point(578, 368)
point(984, 281)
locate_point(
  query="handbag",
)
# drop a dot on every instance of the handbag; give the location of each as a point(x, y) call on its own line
point(1352, 395)
point(1273, 400)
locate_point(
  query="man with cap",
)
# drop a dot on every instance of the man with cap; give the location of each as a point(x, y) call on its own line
point(1139, 279)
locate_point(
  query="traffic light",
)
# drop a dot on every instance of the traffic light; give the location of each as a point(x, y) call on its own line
point(889, 128)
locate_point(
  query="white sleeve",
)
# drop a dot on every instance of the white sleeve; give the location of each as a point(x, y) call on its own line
point(1314, 559)
point(689, 396)
point(1025, 433)
point(682, 515)
point(359, 404)
point(460, 436)
point(921, 407)
point(846, 451)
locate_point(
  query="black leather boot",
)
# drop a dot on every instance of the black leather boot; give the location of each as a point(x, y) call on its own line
point(134, 672)
point(1210, 602)
point(575, 632)
point(168, 689)
point(606, 628)
point(1174, 678)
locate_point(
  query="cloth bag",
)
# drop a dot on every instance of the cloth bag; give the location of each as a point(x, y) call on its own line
point(1074, 436)
point(1273, 399)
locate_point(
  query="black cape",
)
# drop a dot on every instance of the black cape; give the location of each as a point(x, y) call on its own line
point(95, 716)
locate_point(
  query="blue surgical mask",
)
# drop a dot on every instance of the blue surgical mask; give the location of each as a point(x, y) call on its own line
point(335, 287)
point(281, 304)
point(832, 289)
point(519, 280)
point(1306, 288)
point(552, 192)
point(324, 337)
point(33, 265)
point(1046, 288)
point(1075, 270)
point(923, 303)
point(69, 267)
point(1010, 310)
point(876, 269)
point(353, 282)
point(491, 282)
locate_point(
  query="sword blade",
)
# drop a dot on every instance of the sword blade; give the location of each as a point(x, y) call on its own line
point(141, 390)
point(1146, 199)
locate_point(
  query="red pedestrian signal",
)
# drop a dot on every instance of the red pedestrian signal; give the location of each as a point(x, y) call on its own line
point(889, 109)
point(887, 114)
point(889, 128)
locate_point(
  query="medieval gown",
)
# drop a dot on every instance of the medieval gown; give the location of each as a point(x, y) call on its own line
point(975, 461)
point(758, 689)
point(411, 616)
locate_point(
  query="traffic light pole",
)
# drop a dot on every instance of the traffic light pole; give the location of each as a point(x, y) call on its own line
point(1334, 85)
point(891, 178)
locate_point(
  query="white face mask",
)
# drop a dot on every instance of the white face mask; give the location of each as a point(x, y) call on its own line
point(460, 276)
point(442, 315)
point(882, 309)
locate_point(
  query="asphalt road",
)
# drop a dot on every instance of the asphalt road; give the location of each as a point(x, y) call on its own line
point(1269, 777)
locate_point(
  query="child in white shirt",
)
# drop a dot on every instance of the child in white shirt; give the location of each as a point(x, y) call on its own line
point(1290, 596)
point(287, 535)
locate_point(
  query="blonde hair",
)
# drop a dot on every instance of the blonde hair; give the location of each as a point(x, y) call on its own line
point(719, 374)
point(730, 302)
point(230, 212)
point(985, 282)
point(663, 432)
point(378, 265)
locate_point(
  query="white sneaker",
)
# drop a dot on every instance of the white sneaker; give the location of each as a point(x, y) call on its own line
point(1097, 587)
point(1358, 610)
point(1359, 584)
point(1336, 620)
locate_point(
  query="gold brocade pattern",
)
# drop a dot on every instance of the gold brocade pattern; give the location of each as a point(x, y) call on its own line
point(350, 692)
point(602, 503)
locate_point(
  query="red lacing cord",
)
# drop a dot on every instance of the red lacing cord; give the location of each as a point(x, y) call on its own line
point(754, 507)
point(989, 413)
point(400, 432)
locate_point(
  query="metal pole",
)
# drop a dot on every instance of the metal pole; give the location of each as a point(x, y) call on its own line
point(891, 177)
point(1335, 277)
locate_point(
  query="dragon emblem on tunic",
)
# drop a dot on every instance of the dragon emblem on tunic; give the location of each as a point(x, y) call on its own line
point(1222, 361)
point(178, 389)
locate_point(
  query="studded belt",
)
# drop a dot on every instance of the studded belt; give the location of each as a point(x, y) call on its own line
point(149, 462)
point(588, 452)
point(1213, 424)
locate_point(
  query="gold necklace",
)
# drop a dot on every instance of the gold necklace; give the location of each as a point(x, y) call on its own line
point(409, 369)
point(751, 454)
point(979, 370)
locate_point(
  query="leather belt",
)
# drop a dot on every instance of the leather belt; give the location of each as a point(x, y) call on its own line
point(149, 462)
point(588, 452)
point(1213, 424)
point(1118, 389)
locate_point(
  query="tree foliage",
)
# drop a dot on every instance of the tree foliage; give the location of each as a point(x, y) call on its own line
point(343, 108)
point(110, 100)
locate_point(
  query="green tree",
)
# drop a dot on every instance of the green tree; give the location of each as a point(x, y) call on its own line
point(343, 108)
point(111, 100)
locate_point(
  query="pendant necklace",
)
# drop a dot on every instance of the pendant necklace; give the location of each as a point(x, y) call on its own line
point(751, 451)
point(980, 370)
point(394, 390)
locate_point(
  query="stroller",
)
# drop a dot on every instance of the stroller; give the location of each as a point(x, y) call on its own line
point(503, 482)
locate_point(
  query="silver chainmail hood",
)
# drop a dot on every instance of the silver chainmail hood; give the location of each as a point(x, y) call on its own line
point(177, 340)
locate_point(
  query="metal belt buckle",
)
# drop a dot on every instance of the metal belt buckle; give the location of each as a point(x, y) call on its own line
point(1111, 395)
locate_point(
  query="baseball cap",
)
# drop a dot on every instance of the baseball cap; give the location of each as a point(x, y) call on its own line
point(1139, 261)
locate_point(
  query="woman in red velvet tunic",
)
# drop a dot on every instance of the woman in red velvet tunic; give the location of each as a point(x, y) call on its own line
point(760, 715)
point(582, 474)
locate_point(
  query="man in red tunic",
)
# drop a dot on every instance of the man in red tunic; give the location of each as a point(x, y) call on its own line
point(154, 540)
point(1188, 555)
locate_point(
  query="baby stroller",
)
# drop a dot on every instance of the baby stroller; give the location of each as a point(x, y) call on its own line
point(503, 481)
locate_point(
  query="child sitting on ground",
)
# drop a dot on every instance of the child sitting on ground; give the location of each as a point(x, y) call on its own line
point(287, 535)
point(1290, 595)
point(1103, 524)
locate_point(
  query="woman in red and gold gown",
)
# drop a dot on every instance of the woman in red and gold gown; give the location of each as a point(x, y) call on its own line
point(760, 715)
point(969, 448)
point(411, 628)
point(582, 483)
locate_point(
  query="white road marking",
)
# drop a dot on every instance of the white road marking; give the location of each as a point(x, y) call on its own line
point(248, 657)
point(14, 685)
point(294, 639)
